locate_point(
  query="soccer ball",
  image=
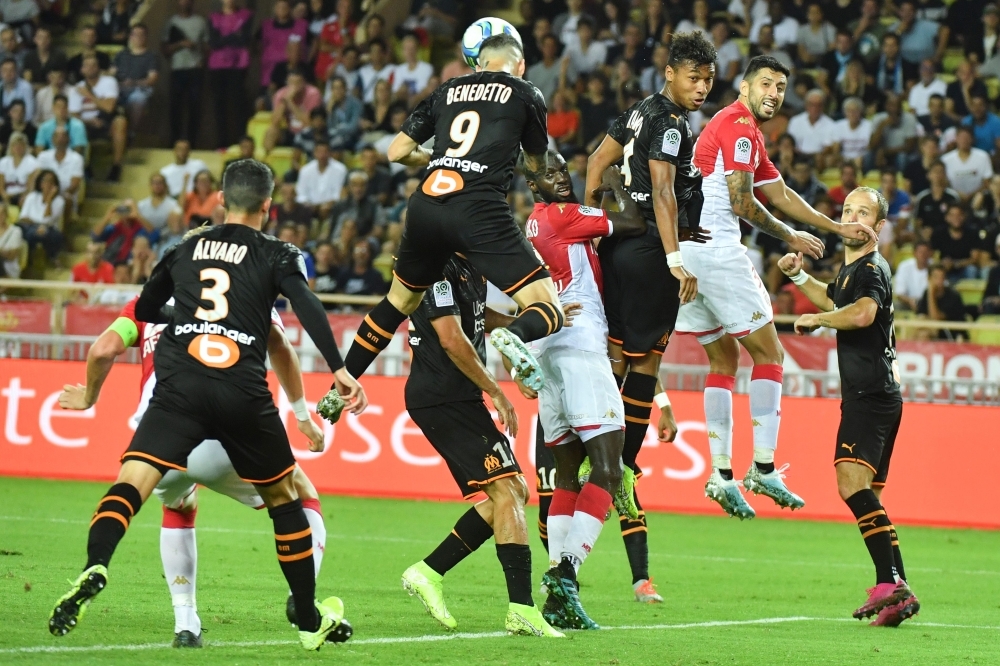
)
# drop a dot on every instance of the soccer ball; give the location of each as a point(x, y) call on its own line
point(480, 30)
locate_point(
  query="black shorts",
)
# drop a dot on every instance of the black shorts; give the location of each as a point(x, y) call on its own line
point(641, 296)
point(466, 437)
point(483, 231)
point(868, 427)
point(188, 409)
point(545, 465)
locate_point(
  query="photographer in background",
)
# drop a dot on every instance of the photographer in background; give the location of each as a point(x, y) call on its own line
point(118, 230)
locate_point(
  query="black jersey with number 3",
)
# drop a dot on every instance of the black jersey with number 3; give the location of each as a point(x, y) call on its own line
point(866, 356)
point(656, 129)
point(224, 282)
point(479, 123)
point(434, 379)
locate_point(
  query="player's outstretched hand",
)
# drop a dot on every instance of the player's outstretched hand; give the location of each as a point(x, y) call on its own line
point(74, 397)
point(791, 263)
point(807, 323)
point(696, 235)
point(806, 243)
point(857, 231)
point(505, 411)
point(689, 283)
point(570, 311)
point(315, 434)
point(667, 427)
point(350, 390)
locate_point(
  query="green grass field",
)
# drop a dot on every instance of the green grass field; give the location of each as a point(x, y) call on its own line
point(761, 592)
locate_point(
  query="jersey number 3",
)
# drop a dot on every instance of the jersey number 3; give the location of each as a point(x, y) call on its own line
point(215, 351)
point(216, 294)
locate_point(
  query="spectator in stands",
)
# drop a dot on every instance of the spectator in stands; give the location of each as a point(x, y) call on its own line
point(549, 74)
point(10, 48)
point(376, 116)
point(564, 25)
point(321, 182)
point(956, 244)
point(766, 45)
point(564, 122)
point(728, 57)
point(652, 79)
point(848, 183)
point(816, 37)
point(919, 39)
point(306, 139)
point(21, 15)
point(360, 278)
point(632, 49)
point(141, 260)
point(785, 28)
point(229, 40)
point(380, 184)
point(982, 44)
point(295, 60)
point(273, 37)
point(784, 304)
point(812, 129)
point(786, 155)
point(201, 202)
point(990, 304)
point(61, 119)
point(181, 174)
point(117, 297)
point(17, 170)
point(868, 31)
point(585, 54)
point(155, 210)
point(597, 112)
point(11, 246)
point(17, 121)
point(397, 116)
point(929, 84)
point(173, 234)
point(359, 207)
point(958, 98)
point(897, 225)
point(88, 43)
point(45, 96)
point(327, 270)
point(855, 84)
point(247, 151)
point(985, 124)
point(834, 62)
point(374, 29)
point(137, 70)
point(43, 59)
point(804, 182)
point(932, 204)
point(968, 168)
point(349, 68)
point(93, 269)
point(329, 33)
point(894, 136)
point(851, 135)
point(910, 280)
point(915, 174)
point(113, 21)
point(412, 79)
point(289, 211)
point(458, 67)
point(94, 100)
point(42, 215)
point(378, 68)
point(13, 87)
point(184, 41)
point(343, 116)
point(65, 163)
point(289, 233)
point(118, 229)
point(941, 303)
point(937, 123)
point(292, 106)
point(891, 72)
point(438, 18)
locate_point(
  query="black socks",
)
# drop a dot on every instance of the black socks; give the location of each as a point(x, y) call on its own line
point(515, 559)
point(374, 335)
point(875, 529)
point(294, 543)
point(470, 532)
point(110, 522)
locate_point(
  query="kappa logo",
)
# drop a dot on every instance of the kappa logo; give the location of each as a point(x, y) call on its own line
point(755, 423)
point(757, 315)
point(713, 435)
point(611, 414)
point(181, 580)
point(743, 120)
point(491, 463)
point(849, 447)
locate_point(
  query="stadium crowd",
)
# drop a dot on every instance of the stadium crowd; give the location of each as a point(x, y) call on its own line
point(899, 94)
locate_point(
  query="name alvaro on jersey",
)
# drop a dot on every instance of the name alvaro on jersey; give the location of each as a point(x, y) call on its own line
point(232, 253)
point(480, 92)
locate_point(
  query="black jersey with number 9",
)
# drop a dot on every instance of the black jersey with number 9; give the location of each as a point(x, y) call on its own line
point(479, 123)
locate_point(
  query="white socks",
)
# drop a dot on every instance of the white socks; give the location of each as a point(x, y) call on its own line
point(588, 520)
point(179, 552)
point(719, 419)
point(559, 527)
point(765, 410)
point(315, 519)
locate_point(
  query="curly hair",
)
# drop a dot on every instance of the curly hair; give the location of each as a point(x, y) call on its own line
point(690, 48)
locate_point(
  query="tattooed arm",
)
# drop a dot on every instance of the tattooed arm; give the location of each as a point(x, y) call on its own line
point(746, 206)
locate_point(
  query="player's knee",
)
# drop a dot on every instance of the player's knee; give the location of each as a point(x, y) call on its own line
point(281, 492)
point(606, 473)
point(511, 491)
point(849, 483)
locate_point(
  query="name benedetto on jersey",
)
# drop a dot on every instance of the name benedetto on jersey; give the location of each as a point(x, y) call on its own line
point(224, 282)
point(480, 122)
point(656, 129)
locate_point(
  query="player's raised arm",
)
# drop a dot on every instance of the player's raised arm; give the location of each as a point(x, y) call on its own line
point(110, 345)
point(791, 204)
point(285, 363)
point(408, 152)
point(157, 290)
point(816, 291)
point(406, 148)
point(746, 206)
point(608, 153)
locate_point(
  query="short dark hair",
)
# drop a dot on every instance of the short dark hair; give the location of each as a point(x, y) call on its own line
point(937, 163)
point(247, 137)
point(142, 26)
point(958, 205)
point(500, 42)
point(522, 165)
point(378, 41)
point(936, 96)
point(889, 35)
point(41, 175)
point(849, 165)
point(349, 47)
point(965, 128)
point(8, 60)
point(548, 36)
point(16, 102)
point(60, 97)
point(691, 48)
point(585, 20)
point(760, 62)
point(979, 95)
point(921, 242)
point(318, 112)
point(845, 31)
point(246, 185)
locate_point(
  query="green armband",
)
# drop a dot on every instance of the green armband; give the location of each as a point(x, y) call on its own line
point(127, 329)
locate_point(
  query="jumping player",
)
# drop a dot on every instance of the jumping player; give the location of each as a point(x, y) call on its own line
point(208, 464)
point(444, 397)
point(211, 385)
point(732, 303)
point(479, 123)
point(645, 278)
point(859, 306)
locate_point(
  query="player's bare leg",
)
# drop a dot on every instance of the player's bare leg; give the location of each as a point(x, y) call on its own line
point(765, 411)
point(115, 511)
point(541, 315)
point(890, 598)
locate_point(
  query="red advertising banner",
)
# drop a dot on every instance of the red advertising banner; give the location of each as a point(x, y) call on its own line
point(89, 319)
point(26, 317)
point(382, 453)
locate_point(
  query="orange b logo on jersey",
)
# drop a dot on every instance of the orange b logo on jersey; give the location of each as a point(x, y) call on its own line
point(215, 351)
point(441, 182)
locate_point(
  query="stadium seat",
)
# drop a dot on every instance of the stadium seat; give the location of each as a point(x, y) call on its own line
point(992, 87)
point(952, 59)
point(986, 337)
point(971, 291)
point(901, 253)
point(280, 160)
point(257, 126)
point(743, 44)
point(111, 49)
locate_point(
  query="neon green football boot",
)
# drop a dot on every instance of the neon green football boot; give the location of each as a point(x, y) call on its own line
point(71, 606)
point(428, 586)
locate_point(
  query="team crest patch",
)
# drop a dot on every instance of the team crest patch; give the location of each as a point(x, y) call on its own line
point(588, 210)
point(491, 463)
point(671, 142)
point(741, 154)
point(443, 297)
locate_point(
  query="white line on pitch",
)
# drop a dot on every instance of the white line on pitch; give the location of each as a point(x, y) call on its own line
point(433, 638)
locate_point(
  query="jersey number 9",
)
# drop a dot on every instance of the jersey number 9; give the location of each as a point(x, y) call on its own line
point(464, 130)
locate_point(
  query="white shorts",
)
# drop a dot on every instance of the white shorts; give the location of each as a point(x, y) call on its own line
point(579, 397)
point(209, 466)
point(731, 298)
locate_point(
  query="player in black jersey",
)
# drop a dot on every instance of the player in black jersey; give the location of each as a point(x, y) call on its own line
point(645, 281)
point(859, 306)
point(444, 396)
point(479, 123)
point(212, 384)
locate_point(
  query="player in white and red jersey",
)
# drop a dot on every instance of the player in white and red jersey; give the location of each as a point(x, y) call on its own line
point(579, 406)
point(208, 464)
point(732, 304)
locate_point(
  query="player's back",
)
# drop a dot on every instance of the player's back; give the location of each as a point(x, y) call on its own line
point(479, 122)
point(562, 235)
point(225, 281)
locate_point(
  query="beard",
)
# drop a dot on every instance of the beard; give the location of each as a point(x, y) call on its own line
point(856, 242)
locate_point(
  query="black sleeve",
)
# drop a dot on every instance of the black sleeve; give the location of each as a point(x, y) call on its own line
point(993, 283)
point(419, 126)
point(534, 136)
point(874, 284)
point(829, 290)
point(665, 137)
point(311, 314)
point(157, 291)
point(617, 131)
point(439, 301)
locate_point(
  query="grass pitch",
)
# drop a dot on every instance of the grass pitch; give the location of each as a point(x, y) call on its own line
point(760, 592)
